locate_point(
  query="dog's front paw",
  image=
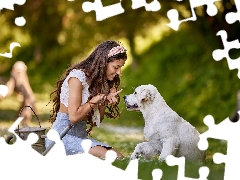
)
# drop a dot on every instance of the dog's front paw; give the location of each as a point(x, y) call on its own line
point(135, 155)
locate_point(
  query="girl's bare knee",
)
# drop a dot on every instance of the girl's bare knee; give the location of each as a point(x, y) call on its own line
point(100, 151)
point(119, 155)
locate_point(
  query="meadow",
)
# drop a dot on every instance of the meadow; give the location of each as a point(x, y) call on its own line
point(123, 136)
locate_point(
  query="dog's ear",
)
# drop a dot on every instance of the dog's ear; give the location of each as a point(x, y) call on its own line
point(146, 95)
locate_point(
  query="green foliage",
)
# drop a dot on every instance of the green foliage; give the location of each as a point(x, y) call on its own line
point(190, 80)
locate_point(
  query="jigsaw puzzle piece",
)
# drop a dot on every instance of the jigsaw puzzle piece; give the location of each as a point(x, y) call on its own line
point(180, 162)
point(12, 46)
point(225, 130)
point(86, 145)
point(173, 14)
point(103, 12)
point(20, 21)
point(32, 137)
point(132, 169)
point(57, 149)
point(232, 17)
point(9, 4)
point(15, 125)
point(211, 8)
point(19, 158)
point(3, 90)
point(229, 131)
point(157, 174)
point(23, 146)
point(203, 143)
point(224, 53)
point(219, 158)
point(153, 6)
point(110, 156)
point(231, 164)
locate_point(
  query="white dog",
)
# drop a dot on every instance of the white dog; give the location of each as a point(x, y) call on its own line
point(165, 131)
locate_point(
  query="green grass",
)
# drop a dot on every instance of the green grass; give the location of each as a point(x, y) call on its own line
point(124, 141)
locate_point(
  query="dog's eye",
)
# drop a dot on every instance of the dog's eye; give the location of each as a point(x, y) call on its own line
point(135, 92)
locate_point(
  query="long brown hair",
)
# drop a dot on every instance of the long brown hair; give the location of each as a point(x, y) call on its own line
point(94, 66)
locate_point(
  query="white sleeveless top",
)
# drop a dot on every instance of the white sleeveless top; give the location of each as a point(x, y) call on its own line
point(64, 95)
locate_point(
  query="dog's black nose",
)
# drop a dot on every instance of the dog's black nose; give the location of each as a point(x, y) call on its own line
point(124, 97)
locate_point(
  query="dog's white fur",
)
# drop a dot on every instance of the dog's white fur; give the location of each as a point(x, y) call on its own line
point(165, 131)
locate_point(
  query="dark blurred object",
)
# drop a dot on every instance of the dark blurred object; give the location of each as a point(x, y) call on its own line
point(235, 116)
point(3, 80)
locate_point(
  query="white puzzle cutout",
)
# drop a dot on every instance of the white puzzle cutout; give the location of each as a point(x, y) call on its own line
point(232, 17)
point(180, 162)
point(9, 54)
point(101, 11)
point(20, 157)
point(8, 4)
point(153, 6)
point(19, 21)
point(229, 131)
point(173, 14)
point(224, 53)
point(3, 90)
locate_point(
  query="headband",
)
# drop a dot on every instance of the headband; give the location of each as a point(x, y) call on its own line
point(116, 50)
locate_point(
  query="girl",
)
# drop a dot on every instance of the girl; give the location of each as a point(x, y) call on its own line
point(87, 92)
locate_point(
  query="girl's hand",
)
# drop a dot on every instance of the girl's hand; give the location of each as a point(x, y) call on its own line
point(101, 98)
point(97, 100)
point(111, 97)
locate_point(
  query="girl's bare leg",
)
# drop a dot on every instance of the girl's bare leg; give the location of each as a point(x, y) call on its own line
point(100, 151)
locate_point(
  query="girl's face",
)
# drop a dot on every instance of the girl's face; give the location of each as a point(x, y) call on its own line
point(114, 68)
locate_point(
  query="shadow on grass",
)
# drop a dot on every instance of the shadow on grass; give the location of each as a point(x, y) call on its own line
point(8, 115)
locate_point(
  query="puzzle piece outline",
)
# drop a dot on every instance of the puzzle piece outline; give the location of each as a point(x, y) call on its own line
point(180, 162)
point(216, 131)
point(173, 14)
point(9, 4)
point(232, 17)
point(12, 46)
point(219, 54)
point(153, 6)
point(101, 11)
point(57, 154)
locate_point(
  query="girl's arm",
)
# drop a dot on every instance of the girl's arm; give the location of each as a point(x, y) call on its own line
point(77, 111)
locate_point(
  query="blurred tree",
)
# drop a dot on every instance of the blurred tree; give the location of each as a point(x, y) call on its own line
point(43, 23)
point(204, 22)
point(84, 27)
point(61, 31)
point(64, 25)
point(58, 33)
